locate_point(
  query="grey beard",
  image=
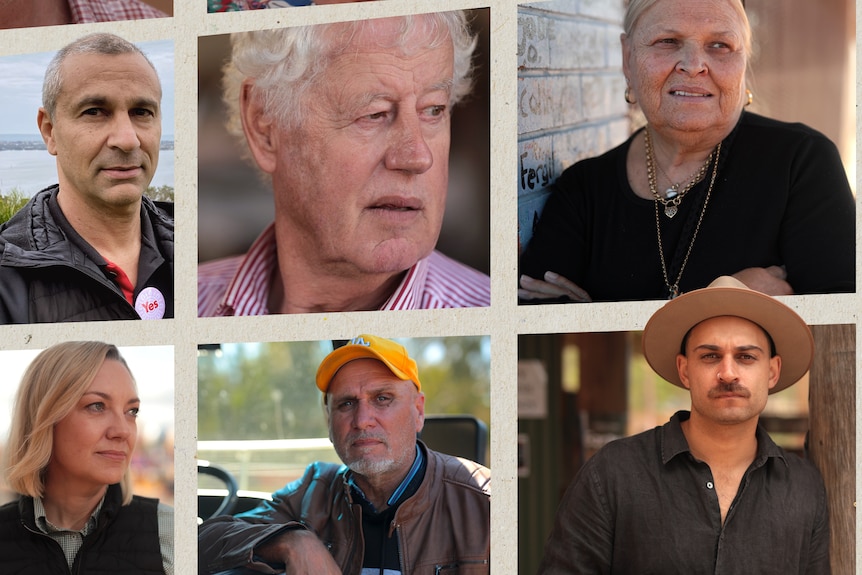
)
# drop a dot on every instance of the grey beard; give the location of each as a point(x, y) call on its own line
point(370, 468)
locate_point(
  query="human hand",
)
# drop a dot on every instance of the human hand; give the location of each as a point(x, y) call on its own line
point(301, 552)
point(771, 280)
point(553, 286)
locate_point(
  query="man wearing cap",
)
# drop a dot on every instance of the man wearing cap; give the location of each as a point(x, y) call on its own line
point(709, 491)
point(394, 507)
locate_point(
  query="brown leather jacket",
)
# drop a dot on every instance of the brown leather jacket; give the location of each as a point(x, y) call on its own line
point(444, 528)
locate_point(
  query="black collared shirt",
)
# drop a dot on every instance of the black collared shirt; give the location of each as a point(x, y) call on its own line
point(645, 505)
point(382, 553)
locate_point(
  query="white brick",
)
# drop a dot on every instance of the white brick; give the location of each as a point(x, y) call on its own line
point(578, 45)
point(533, 45)
point(559, 6)
point(535, 165)
point(548, 102)
point(575, 145)
point(609, 10)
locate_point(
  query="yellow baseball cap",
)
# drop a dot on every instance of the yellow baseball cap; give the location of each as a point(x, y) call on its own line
point(393, 355)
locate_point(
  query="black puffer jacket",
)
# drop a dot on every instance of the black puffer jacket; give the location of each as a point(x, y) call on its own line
point(126, 540)
point(48, 273)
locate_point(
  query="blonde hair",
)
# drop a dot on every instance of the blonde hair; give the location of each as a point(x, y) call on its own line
point(51, 386)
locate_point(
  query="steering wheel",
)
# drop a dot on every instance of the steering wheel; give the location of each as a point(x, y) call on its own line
point(230, 500)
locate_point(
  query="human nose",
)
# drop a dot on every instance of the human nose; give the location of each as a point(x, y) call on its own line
point(121, 427)
point(123, 135)
point(727, 372)
point(692, 60)
point(363, 416)
point(408, 151)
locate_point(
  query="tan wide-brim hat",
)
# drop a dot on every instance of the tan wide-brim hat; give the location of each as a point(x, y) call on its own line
point(727, 296)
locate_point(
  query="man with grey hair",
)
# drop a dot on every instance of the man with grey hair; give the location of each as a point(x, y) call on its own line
point(396, 507)
point(92, 247)
point(351, 124)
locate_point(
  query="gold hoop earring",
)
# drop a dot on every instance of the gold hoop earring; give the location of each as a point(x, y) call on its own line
point(749, 97)
point(628, 96)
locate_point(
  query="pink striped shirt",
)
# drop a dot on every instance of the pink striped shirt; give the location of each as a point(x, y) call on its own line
point(240, 285)
point(84, 11)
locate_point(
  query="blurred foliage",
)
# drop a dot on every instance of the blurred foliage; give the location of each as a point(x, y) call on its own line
point(160, 194)
point(10, 203)
point(267, 390)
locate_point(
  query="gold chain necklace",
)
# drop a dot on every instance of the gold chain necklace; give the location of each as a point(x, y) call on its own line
point(673, 290)
point(673, 195)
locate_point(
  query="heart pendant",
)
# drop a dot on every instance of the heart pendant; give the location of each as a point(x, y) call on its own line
point(670, 211)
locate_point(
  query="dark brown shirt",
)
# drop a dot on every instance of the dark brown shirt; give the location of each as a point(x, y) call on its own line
point(645, 505)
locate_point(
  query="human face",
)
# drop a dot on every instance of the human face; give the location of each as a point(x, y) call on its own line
point(93, 444)
point(685, 61)
point(373, 420)
point(106, 129)
point(728, 370)
point(360, 186)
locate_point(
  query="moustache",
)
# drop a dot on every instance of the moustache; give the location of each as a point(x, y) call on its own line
point(361, 436)
point(118, 158)
point(729, 388)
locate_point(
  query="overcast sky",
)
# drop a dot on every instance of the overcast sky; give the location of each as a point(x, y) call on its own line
point(21, 87)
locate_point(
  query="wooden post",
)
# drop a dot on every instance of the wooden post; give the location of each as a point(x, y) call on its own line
point(832, 436)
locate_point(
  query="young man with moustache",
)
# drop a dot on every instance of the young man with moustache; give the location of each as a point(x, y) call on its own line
point(92, 247)
point(709, 491)
point(394, 507)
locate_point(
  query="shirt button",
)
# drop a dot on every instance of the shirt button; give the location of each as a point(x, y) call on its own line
point(709, 484)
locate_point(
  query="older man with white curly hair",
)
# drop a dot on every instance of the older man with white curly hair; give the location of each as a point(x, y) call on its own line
point(351, 123)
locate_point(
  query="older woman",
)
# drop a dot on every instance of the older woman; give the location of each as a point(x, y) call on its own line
point(705, 189)
point(72, 436)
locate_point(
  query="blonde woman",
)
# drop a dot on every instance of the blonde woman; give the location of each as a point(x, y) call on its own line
point(71, 441)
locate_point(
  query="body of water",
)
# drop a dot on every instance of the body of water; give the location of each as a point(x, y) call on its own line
point(33, 170)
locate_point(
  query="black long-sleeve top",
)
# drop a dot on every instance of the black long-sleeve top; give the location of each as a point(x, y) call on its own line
point(781, 197)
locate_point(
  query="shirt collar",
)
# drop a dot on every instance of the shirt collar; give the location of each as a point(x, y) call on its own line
point(404, 490)
point(248, 292)
point(47, 527)
point(673, 441)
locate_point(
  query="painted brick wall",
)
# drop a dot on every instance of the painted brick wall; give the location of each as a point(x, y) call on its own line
point(570, 93)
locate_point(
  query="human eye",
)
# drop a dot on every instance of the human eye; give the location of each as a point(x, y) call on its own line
point(92, 112)
point(720, 46)
point(134, 411)
point(375, 114)
point(344, 405)
point(435, 111)
point(143, 112)
point(383, 399)
point(95, 407)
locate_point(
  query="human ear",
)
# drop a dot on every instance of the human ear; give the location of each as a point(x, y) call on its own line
point(774, 370)
point(46, 128)
point(626, 49)
point(682, 369)
point(259, 128)
point(420, 411)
